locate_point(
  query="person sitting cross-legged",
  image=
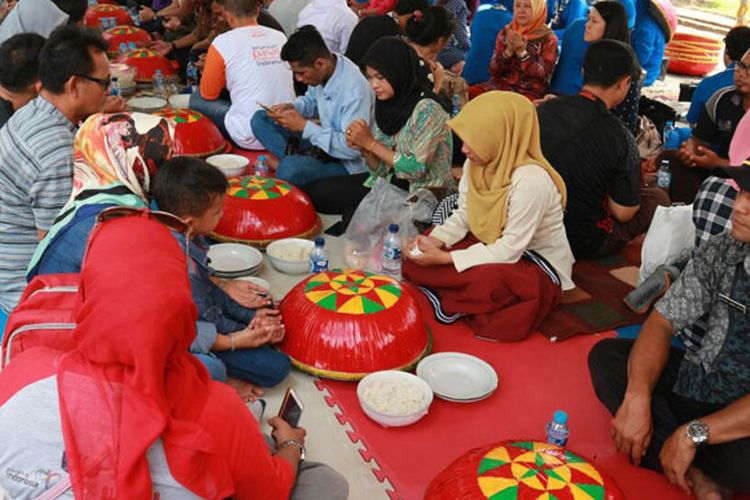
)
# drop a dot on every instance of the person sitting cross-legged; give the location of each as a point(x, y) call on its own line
point(306, 138)
point(687, 414)
point(597, 156)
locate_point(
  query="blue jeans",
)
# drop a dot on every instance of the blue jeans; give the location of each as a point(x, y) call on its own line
point(297, 169)
point(214, 365)
point(215, 110)
point(261, 366)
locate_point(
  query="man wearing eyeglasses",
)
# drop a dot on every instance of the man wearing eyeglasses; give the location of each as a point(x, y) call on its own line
point(708, 148)
point(36, 149)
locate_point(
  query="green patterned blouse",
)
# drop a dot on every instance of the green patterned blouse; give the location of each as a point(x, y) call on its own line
point(424, 150)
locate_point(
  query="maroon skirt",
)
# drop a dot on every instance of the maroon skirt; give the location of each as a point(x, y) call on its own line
point(501, 302)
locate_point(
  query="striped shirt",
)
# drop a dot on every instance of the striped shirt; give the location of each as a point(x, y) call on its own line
point(36, 178)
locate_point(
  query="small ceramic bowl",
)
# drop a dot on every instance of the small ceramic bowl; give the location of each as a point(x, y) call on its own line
point(392, 376)
point(231, 165)
point(289, 266)
point(257, 281)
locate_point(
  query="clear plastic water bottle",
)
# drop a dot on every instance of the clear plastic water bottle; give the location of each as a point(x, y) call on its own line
point(123, 47)
point(456, 105)
point(132, 8)
point(114, 87)
point(670, 137)
point(261, 169)
point(105, 23)
point(92, 3)
point(557, 429)
point(191, 72)
point(664, 175)
point(391, 265)
point(159, 83)
point(319, 256)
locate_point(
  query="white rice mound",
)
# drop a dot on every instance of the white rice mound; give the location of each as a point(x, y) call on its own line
point(393, 397)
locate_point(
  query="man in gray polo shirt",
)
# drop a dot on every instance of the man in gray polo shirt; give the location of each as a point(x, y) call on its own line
point(687, 414)
point(36, 149)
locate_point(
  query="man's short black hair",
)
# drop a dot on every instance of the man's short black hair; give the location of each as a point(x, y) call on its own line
point(404, 7)
point(187, 186)
point(19, 61)
point(607, 62)
point(305, 46)
point(241, 8)
point(737, 42)
point(68, 53)
point(75, 9)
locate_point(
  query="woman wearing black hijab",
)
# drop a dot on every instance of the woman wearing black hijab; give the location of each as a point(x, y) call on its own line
point(409, 143)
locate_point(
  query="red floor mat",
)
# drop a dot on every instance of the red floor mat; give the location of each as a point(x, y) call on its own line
point(536, 377)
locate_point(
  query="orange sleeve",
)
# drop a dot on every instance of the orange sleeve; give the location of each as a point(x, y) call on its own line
point(214, 77)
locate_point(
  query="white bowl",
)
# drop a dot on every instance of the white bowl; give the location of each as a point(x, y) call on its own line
point(230, 165)
point(257, 281)
point(180, 101)
point(147, 104)
point(394, 420)
point(234, 258)
point(289, 266)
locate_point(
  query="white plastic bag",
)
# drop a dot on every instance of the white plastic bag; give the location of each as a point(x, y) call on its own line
point(670, 239)
point(385, 204)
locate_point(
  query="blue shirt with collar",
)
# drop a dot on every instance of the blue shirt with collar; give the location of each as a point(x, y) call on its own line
point(345, 97)
point(706, 89)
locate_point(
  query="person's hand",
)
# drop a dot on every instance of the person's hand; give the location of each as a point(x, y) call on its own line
point(291, 120)
point(707, 158)
point(544, 99)
point(146, 14)
point(201, 62)
point(632, 426)
point(270, 318)
point(161, 46)
point(246, 294)
point(515, 43)
point(358, 135)
point(676, 456)
point(431, 256)
point(438, 75)
point(424, 241)
point(282, 431)
point(457, 68)
point(278, 109)
point(113, 104)
point(253, 335)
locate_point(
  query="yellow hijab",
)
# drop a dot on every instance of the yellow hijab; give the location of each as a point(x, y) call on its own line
point(503, 129)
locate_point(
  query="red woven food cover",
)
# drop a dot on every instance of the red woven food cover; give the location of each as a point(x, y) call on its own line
point(146, 62)
point(95, 13)
point(346, 323)
point(693, 55)
point(194, 134)
point(522, 470)
point(127, 35)
point(259, 210)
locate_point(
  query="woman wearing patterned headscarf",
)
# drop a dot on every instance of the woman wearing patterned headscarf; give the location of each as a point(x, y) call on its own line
point(502, 258)
point(115, 157)
point(525, 53)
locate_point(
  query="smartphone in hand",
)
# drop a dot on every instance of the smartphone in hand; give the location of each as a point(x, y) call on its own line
point(291, 408)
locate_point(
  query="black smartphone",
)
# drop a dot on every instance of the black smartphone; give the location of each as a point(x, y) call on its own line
point(291, 408)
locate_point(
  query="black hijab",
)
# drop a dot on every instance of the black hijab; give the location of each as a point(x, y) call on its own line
point(398, 62)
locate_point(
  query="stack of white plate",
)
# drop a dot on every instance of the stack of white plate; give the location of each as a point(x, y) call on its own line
point(232, 260)
point(458, 377)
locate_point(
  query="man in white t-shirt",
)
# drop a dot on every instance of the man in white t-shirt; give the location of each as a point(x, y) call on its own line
point(333, 19)
point(246, 62)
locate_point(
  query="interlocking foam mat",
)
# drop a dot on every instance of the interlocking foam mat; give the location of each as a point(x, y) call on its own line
point(536, 377)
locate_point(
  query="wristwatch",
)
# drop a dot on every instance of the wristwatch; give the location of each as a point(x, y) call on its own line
point(697, 432)
point(293, 442)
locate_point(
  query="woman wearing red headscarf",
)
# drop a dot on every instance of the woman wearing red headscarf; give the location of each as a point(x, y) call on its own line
point(525, 53)
point(129, 413)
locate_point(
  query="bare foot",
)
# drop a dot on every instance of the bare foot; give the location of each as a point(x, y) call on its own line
point(247, 391)
point(706, 488)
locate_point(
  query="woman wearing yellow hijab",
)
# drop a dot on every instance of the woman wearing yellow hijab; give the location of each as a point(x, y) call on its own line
point(502, 258)
point(525, 53)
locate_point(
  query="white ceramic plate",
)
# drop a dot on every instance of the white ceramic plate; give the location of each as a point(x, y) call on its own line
point(146, 103)
point(234, 258)
point(458, 377)
point(180, 101)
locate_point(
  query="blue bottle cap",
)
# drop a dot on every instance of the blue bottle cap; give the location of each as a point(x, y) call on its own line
point(393, 228)
point(560, 417)
point(319, 241)
point(262, 158)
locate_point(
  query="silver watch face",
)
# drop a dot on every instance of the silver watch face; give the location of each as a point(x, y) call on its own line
point(698, 432)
